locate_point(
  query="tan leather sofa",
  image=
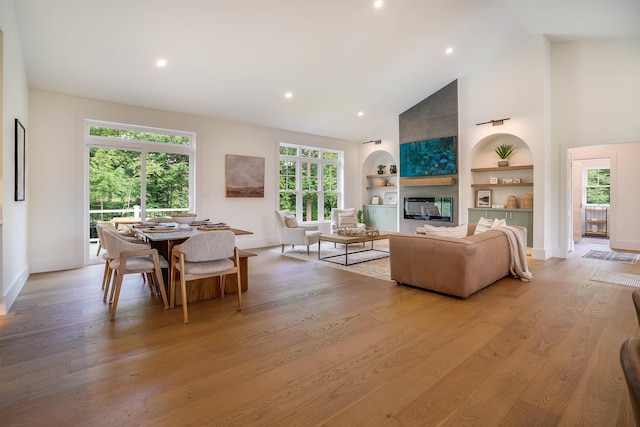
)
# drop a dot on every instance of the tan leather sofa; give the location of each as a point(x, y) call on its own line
point(453, 266)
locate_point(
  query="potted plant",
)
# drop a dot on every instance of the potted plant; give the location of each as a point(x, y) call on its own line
point(360, 216)
point(504, 151)
point(381, 169)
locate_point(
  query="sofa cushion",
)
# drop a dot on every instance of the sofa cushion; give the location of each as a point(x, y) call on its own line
point(291, 221)
point(457, 231)
point(484, 224)
point(499, 223)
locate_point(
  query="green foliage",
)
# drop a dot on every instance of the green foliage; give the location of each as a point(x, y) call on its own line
point(381, 167)
point(598, 190)
point(138, 136)
point(360, 216)
point(114, 177)
point(504, 150)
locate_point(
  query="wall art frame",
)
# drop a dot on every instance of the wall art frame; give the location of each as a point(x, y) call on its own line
point(483, 198)
point(244, 176)
point(20, 160)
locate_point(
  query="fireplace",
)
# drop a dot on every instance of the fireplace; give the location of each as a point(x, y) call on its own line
point(438, 208)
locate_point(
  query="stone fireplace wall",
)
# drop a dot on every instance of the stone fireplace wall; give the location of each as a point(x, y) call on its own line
point(434, 117)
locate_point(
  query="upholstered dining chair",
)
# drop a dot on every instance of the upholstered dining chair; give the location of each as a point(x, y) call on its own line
point(100, 226)
point(210, 254)
point(108, 225)
point(291, 233)
point(127, 258)
point(630, 360)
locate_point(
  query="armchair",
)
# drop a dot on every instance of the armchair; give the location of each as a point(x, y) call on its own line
point(346, 214)
point(291, 233)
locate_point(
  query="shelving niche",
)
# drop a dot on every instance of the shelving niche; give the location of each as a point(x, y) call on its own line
point(484, 166)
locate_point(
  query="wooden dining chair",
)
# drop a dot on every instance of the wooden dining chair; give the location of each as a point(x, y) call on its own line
point(210, 254)
point(128, 258)
point(106, 277)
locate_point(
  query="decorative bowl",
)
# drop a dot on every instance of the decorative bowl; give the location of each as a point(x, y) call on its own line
point(184, 219)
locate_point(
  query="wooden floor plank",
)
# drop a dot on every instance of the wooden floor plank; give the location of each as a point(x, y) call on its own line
point(316, 345)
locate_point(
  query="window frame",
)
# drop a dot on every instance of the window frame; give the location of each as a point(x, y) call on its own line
point(587, 186)
point(141, 146)
point(298, 159)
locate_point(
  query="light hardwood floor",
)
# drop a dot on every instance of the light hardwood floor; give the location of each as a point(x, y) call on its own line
point(316, 345)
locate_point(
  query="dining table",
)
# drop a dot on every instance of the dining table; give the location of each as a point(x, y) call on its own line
point(164, 236)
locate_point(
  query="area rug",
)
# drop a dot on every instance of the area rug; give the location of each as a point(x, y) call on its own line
point(378, 268)
point(617, 278)
point(613, 256)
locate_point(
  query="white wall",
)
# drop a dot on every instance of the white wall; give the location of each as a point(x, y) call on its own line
point(595, 102)
point(14, 262)
point(57, 184)
point(515, 87)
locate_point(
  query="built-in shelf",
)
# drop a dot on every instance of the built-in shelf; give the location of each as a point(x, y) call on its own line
point(502, 168)
point(382, 175)
point(521, 184)
point(392, 187)
point(422, 182)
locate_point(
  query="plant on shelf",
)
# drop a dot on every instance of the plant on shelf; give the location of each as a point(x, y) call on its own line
point(381, 169)
point(504, 151)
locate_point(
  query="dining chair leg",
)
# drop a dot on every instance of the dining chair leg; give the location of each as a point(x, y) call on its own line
point(108, 285)
point(104, 276)
point(223, 285)
point(117, 285)
point(183, 288)
point(159, 281)
point(239, 289)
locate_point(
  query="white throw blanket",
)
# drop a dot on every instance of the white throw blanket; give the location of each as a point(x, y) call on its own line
point(518, 249)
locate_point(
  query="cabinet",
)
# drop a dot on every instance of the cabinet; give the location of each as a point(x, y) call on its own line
point(382, 217)
point(522, 217)
point(595, 221)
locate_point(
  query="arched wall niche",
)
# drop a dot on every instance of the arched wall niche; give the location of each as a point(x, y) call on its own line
point(375, 158)
point(484, 156)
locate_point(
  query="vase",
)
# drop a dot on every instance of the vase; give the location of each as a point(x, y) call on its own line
point(503, 163)
point(380, 171)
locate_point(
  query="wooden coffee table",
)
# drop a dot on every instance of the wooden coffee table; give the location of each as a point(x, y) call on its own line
point(348, 240)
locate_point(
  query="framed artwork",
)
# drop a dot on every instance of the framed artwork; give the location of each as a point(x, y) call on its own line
point(244, 176)
point(20, 161)
point(483, 198)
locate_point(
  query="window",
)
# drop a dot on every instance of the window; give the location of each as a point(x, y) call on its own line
point(137, 172)
point(598, 186)
point(310, 181)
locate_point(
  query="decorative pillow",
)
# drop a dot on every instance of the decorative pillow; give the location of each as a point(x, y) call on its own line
point(484, 224)
point(291, 221)
point(457, 231)
point(346, 220)
point(499, 223)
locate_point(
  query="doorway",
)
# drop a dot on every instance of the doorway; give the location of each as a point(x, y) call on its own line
point(590, 201)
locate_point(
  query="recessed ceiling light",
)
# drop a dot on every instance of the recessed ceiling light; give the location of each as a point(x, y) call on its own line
point(288, 95)
point(449, 51)
point(378, 4)
point(160, 63)
point(360, 113)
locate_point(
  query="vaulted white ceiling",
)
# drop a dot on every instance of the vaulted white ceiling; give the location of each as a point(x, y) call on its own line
point(236, 59)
